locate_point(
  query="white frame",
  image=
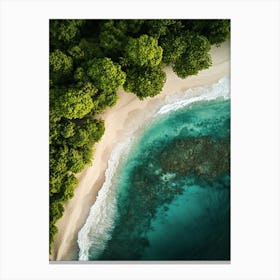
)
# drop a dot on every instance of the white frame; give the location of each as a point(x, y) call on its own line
point(255, 138)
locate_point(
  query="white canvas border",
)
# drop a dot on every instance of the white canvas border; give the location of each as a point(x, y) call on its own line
point(255, 138)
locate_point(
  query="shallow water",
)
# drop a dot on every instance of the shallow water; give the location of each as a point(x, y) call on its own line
point(181, 214)
point(166, 195)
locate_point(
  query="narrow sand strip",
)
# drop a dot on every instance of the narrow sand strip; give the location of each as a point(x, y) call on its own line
point(128, 107)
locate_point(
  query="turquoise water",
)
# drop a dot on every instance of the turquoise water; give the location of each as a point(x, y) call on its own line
point(173, 190)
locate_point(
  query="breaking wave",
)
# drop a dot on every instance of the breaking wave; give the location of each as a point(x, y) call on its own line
point(96, 232)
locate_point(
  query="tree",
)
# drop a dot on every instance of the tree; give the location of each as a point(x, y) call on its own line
point(90, 89)
point(60, 65)
point(134, 27)
point(91, 48)
point(64, 32)
point(67, 129)
point(215, 30)
point(60, 62)
point(95, 129)
point(103, 100)
point(75, 162)
point(112, 36)
point(195, 58)
point(80, 75)
point(157, 28)
point(173, 46)
point(81, 78)
point(52, 232)
point(77, 53)
point(143, 51)
point(58, 159)
point(54, 128)
point(80, 138)
point(56, 211)
point(68, 186)
point(74, 104)
point(145, 82)
point(87, 154)
point(105, 74)
point(55, 181)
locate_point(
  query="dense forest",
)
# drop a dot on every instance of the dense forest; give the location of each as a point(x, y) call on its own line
point(90, 60)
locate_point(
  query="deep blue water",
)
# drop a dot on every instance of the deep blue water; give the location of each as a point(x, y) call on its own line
point(173, 190)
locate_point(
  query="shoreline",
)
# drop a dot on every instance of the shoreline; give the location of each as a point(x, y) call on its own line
point(129, 112)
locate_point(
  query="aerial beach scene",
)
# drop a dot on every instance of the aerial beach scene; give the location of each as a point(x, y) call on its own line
point(139, 140)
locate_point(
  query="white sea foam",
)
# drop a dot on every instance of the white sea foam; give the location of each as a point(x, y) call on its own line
point(179, 100)
point(98, 227)
point(100, 222)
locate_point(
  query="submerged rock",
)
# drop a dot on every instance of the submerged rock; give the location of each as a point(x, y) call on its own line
point(202, 156)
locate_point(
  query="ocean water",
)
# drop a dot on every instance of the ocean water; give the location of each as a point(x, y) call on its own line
point(167, 196)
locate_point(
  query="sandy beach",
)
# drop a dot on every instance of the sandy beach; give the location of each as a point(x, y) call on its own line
point(127, 113)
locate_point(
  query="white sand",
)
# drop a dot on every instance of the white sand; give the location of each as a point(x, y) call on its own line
point(127, 108)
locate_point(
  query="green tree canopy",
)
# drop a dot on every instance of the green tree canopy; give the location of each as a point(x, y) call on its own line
point(143, 51)
point(215, 30)
point(95, 129)
point(77, 53)
point(112, 36)
point(103, 100)
point(75, 162)
point(145, 82)
point(60, 62)
point(105, 74)
point(56, 210)
point(134, 26)
point(81, 77)
point(195, 58)
point(160, 27)
point(52, 232)
point(58, 170)
point(67, 129)
point(173, 46)
point(80, 138)
point(55, 183)
point(70, 181)
point(64, 32)
point(91, 48)
point(73, 104)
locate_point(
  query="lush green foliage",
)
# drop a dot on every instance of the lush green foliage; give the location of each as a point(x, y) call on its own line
point(112, 36)
point(71, 149)
point(195, 58)
point(74, 104)
point(64, 31)
point(60, 66)
point(106, 75)
point(143, 51)
point(90, 60)
point(145, 82)
point(159, 28)
point(173, 46)
point(60, 62)
point(215, 30)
